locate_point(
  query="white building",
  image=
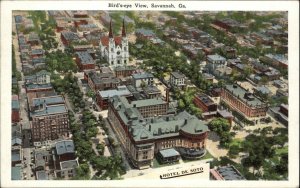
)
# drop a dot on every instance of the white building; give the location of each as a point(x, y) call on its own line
point(115, 49)
point(142, 79)
point(177, 79)
point(42, 77)
point(216, 62)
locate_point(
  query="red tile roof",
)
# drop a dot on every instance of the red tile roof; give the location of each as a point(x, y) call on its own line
point(105, 40)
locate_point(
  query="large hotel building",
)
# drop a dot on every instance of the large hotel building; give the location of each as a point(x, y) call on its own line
point(243, 101)
point(49, 119)
point(145, 128)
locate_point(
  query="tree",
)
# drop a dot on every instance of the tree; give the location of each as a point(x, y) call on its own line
point(234, 150)
point(91, 94)
point(82, 172)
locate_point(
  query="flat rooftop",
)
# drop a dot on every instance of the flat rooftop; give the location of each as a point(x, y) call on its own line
point(65, 146)
point(120, 91)
point(177, 75)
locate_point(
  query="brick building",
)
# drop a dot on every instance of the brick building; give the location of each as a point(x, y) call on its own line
point(49, 119)
point(243, 101)
point(84, 61)
point(144, 129)
point(124, 71)
point(67, 37)
point(205, 103)
point(102, 81)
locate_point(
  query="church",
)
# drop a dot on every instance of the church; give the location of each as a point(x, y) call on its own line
point(115, 48)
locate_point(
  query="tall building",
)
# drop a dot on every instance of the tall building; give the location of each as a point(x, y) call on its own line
point(115, 49)
point(143, 134)
point(50, 120)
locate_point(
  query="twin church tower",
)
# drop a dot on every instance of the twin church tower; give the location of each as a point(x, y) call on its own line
point(115, 49)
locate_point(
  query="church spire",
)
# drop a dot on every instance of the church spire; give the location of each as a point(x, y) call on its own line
point(123, 29)
point(110, 30)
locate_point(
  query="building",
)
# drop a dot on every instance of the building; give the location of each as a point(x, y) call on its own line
point(226, 173)
point(41, 77)
point(263, 90)
point(15, 109)
point(115, 50)
point(102, 81)
point(282, 93)
point(215, 62)
point(38, 87)
point(277, 60)
point(205, 103)
point(144, 33)
point(124, 71)
point(41, 175)
point(84, 61)
point(281, 113)
point(168, 156)
point(272, 74)
point(151, 92)
point(102, 97)
point(230, 52)
point(49, 119)
point(144, 129)
point(142, 79)
point(244, 102)
point(226, 115)
point(65, 161)
point(33, 39)
point(16, 156)
point(37, 53)
point(177, 79)
point(67, 37)
point(208, 77)
point(16, 136)
point(42, 159)
point(228, 24)
point(83, 47)
point(16, 173)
